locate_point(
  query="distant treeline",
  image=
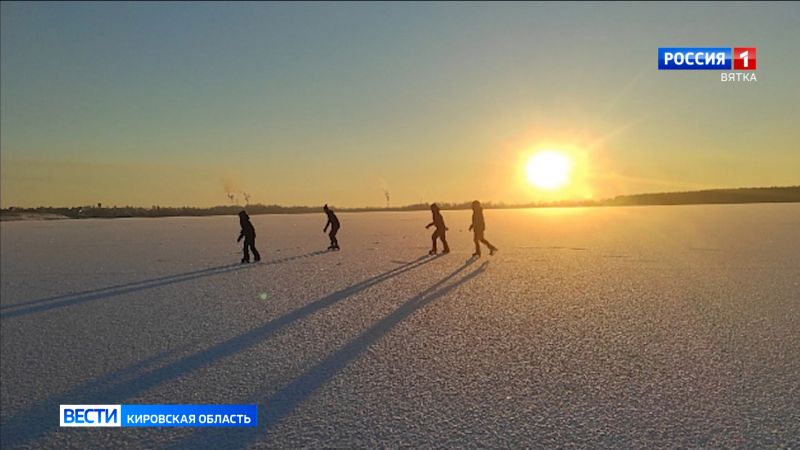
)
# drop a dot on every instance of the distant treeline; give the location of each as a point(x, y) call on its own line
point(100, 211)
point(712, 196)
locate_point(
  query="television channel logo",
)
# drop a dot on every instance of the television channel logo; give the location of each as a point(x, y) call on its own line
point(91, 415)
point(735, 63)
point(159, 415)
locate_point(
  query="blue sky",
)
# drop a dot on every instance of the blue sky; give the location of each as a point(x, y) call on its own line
point(172, 103)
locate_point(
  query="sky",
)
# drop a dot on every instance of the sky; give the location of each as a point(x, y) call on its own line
point(178, 104)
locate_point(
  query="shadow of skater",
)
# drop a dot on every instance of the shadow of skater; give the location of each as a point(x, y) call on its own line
point(333, 222)
point(438, 222)
point(276, 407)
point(61, 301)
point(38, 419)
point(249, 235)
point(35, 421)
point(478, 227)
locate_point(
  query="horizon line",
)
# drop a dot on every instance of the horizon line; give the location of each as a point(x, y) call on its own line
point(446, 204)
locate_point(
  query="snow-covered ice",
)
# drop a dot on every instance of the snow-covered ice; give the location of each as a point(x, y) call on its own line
point(673, 326)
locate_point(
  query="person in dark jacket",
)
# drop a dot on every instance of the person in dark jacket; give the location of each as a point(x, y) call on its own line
point(438, 222)
point(249, 235)
point(478, 227)
point(333, 222)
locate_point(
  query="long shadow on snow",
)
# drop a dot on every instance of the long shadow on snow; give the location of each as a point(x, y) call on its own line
point(276, 407)
point(62, 301)
point(41, 418)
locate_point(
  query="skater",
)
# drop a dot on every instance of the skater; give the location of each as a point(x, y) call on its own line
point(333, 221)
point(478, 227)
point(249, 235)
point(438, 222)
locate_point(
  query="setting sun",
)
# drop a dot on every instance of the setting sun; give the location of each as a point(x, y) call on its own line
point(548, 170)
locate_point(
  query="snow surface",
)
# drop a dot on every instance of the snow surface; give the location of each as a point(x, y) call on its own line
point(674, 326)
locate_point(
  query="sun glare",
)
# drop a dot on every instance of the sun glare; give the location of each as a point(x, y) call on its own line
point(548, 170)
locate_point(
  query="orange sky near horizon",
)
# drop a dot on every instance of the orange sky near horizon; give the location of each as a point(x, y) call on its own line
point(179, 105)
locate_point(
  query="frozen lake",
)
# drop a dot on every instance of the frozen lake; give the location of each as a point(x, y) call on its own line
point(671, 326)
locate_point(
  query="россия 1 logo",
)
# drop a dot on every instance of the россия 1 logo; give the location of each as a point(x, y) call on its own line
point(711, 58)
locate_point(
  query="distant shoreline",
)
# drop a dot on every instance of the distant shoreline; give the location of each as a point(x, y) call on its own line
point(789, 194)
